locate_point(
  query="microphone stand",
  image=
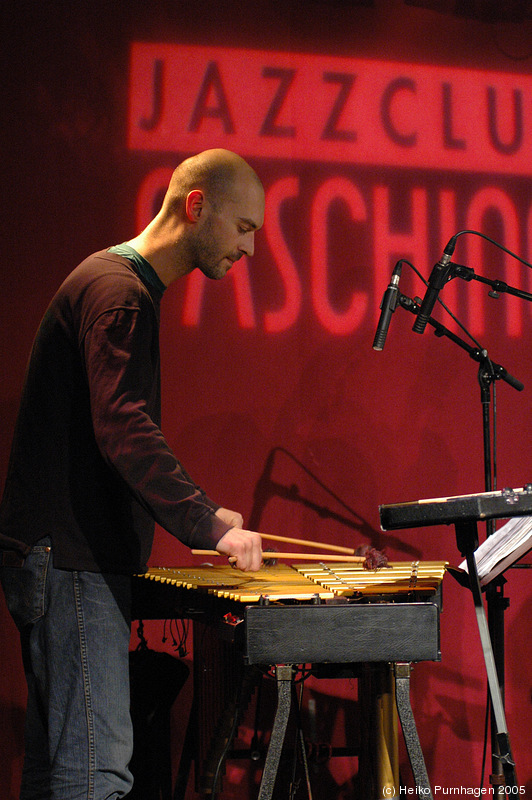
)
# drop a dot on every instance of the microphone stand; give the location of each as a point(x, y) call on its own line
point(503, 772)
point(468, 274)
point(495, 370)
point(495, 599)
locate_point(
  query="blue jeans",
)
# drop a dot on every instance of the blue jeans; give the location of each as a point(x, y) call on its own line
point(75, 631)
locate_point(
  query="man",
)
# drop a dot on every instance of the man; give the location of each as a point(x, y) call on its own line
point(90, 474)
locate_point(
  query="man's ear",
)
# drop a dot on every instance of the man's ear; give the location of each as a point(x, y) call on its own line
point(194, 204)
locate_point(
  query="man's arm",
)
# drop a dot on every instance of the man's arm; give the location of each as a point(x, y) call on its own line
point(118, 360)
point(122, 378)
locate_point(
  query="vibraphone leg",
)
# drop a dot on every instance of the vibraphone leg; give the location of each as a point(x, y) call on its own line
point(299, 741)
point(415, 754)
point(285, 676)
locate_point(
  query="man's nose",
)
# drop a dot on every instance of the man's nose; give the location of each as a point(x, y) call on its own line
point(248, 243)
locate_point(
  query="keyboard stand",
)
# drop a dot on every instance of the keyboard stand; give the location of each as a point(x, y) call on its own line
point(467, 541)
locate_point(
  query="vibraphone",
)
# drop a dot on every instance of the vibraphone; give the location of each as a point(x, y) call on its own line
point(316, 613)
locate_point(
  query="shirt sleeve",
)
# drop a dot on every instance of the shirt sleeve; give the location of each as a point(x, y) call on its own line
point(121, 359)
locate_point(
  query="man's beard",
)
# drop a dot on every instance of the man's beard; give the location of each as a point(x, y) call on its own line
point(206, 256)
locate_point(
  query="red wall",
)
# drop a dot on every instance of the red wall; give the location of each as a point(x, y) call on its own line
point(372, 130)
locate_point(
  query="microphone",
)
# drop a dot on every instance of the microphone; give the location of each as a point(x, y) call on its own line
point(438, 279)
point(388, 305)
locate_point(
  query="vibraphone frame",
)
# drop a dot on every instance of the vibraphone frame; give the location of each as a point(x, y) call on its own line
point(284, 636)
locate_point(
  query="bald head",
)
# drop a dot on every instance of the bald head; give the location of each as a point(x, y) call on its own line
point(210, 213)
point(215, 172)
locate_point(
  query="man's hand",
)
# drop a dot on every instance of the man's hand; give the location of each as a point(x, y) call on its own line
point(244, 549)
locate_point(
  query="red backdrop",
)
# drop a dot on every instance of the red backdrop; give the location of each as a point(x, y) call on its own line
point(379, 131)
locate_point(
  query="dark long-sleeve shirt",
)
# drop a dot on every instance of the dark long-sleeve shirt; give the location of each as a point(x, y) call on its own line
point(89, 465)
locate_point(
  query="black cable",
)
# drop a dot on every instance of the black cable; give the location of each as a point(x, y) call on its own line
point(497, 244)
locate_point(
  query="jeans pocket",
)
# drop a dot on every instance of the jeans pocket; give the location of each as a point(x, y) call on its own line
point(24, 587)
